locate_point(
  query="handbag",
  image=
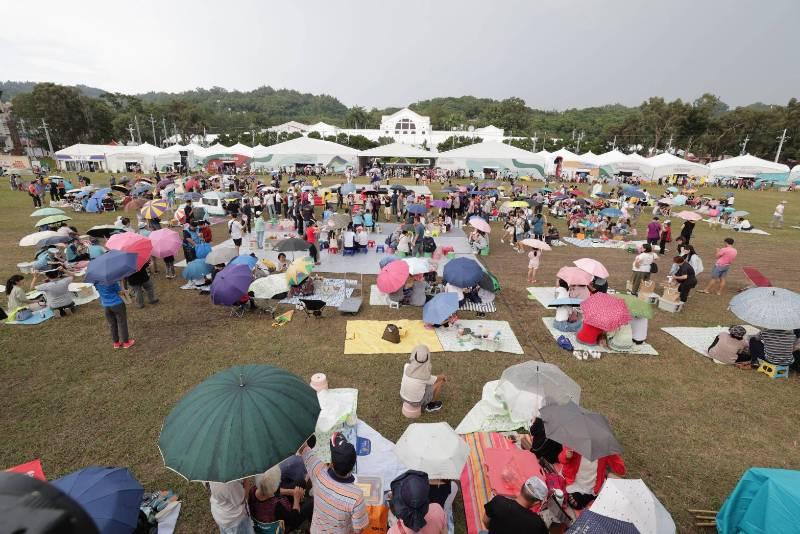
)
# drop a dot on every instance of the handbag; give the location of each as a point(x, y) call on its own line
point(391, 333)
point(653, 268)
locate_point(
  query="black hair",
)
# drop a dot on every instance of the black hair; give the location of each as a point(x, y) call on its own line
point(281, 254)
point(52, 274)
point(562, 283)
point(729, 240)
point(11, 282)
point(647, 247)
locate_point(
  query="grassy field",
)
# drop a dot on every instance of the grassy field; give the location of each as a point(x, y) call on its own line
point(689, 428)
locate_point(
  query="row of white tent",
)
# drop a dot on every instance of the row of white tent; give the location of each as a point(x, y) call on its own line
point(476, 157)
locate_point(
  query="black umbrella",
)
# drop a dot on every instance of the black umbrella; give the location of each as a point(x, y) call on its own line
point(104, 230)
point(121, 189)
point(399, 187)
point(292, 244)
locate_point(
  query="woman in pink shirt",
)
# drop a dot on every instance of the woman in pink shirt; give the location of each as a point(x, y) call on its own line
point(725, 257)
point(411, 506)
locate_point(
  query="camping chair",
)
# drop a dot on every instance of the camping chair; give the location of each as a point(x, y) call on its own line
point(270, 305)
point(276, 527)
point(756, 278)
point(352, 304)
point(312, 307)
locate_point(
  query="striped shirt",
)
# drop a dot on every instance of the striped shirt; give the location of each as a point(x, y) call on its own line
point(339, 507)
point(778, 346)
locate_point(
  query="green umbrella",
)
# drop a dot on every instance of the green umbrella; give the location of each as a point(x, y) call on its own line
point(53, 219)
point(637, 306)
point(44, 212)
point(238, 423)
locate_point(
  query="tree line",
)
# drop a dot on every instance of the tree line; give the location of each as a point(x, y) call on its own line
point(706, 127)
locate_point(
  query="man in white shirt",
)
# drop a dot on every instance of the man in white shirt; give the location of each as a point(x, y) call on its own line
point(235, 230)
point(777, 215)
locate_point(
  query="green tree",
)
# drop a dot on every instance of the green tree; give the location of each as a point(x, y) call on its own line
point(62, 108)
point(356, 118)
point(454, 142)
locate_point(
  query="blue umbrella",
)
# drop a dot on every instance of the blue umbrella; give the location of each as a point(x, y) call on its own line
point(440, 307)
point(245, 259)
point(95, 200)
point(601, 194)
point(346, 189)
point(110, 495)
point(386, 260)
point(636, 193)
point(202, 250)
point(111, 267)
point(679, 200)
point(672, 189)
point(610, 212)
point(231, 284)
point(590, 522)
point(196, 269)
point(139, 190)
point(417, 209)
point(462, 272)
point(191, 196)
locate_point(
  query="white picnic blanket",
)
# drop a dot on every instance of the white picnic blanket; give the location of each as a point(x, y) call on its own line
point(700, 338)
point(600, 243)
point(756, 231)
point(545, 295)
point(377, 297)
point(644, 348)
point(331, 290)
point(501, 337)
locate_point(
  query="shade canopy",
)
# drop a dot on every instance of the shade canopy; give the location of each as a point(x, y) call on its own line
point(746, 166)
point(667, 165)
point(768, 307)
point(493, 155)
point(764, 500)
point(396, 150)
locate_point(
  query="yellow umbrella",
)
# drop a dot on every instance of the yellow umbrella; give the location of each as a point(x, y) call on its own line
point(299, 270)
point(154, 209)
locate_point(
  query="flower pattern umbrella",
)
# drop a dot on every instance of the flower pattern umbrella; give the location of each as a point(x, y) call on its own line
point(154, 209)
point(393, 276)
point(768, 307)
point(231, 284)
point(591, 266)
point(605, 312)
point(299, 270)
point(269, 286)
point(131, 242)
point(480, 224)
point(165, 242)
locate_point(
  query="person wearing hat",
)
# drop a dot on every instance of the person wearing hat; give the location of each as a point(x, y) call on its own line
point(268, 502)
point(339, 506)
point(730, 347)
point(514, 516)
point(777, 215)
point(418, 386)
point(410, 504)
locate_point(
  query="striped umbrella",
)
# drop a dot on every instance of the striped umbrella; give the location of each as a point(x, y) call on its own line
point(154, 209)
point(299, 270)
point(605, 312)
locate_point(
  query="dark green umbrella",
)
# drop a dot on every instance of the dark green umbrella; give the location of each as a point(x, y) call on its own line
point(238, 423)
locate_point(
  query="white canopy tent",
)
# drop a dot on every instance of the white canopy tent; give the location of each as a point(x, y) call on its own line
point(667, 165)
point(493, 155)
point(746, 166)
point(143, 156)
point(795, 174)
point(174, 156)
point(305, 151)
point(80, 157)
point(396, 150)
point(614, 162)
point(242, 150)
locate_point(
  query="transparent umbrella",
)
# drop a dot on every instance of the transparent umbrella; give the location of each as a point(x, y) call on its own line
point(526, 387)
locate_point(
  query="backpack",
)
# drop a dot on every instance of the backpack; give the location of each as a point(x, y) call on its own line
point(565, 343)
point(526, 227)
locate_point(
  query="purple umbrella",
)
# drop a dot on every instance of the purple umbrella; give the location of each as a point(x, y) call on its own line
point(417, 209)
point(231, 284)
point(439, 203)
point(164, 183)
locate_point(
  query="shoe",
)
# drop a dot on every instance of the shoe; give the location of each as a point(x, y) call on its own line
point(117, 345)
point(153, 301)
point(433, 406)
point(128, 344)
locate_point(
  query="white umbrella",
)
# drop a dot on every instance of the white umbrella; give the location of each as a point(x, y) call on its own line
point(417, 265)
point(31, 240)
point(526, 387)
point(433, 448)
point(632, 501)
point(768, 307)
point(222, 254)
point(269, 286)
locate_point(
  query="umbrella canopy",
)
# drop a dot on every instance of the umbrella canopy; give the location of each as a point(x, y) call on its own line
point(462, 272)
point(338, 221)
point(292, 244)
point(582, 430)
point(632, 501)
point(636, 306)
point(111, 267)
point(54, 240)
point(135, 204)
point(346, 189)
point(269, 286)
point(593, 523)
point(220, 255)
point(299, 270)
point(439, 203)
point(535, 243)
point(605, 311)
point(386, 260)
point(611, 212)
point(110, 495)
point(636, 194)
point(154, 209)
point(574, 276)
point(441, 307)
point(679, 200)
point(672, 189)
point(164, 183)
point(740, 213)
point(593, 267)
point(45, 212)
point(764, 500)
point(165, 242)
point(233, 194)
point(104, 230)
point(689, 216)
point(120, 189)
point(526, 387)
point(243, 420)
point(393, 276)
point(417, 265)
point(245, 259)
point(480, 224)
point(191, 196)
point(196, 269)
point(768, 307)
point(31, 240)
point(400, 187)
point(52, 219)
point(231, 284)
point(417, 209)
point(131, 242)
point(433, 448)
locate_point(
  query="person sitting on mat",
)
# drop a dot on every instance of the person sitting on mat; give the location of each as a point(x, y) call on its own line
point(419, 387)
point(56, 291)
point(504, 514)
point(585, 477)
point(731, 347)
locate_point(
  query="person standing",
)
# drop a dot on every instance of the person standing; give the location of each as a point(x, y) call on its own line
point(112, 299)
point(653, 231)
point(685, 277)
point(139, 283)
point(534, 255)
point(777, 215)
point(725, 257)
point(33, 191)
point(686, 231)
point(642, 267)
point(260, 228)
point(235, 231)
point(665, 237)
point(229, 507)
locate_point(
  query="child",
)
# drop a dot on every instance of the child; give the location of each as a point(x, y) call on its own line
point(282, 263)
point(418, 386)
point(533, 264)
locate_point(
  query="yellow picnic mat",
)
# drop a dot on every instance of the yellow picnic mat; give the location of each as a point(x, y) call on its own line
point(364, 337)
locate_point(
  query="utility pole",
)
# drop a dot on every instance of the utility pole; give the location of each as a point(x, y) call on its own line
point(780, 145)
point(27, 137)
point(535, 138)
point(164, 125)
point(138, 132)
point(744, 145)
point(580, 138)
point(669, 143)
point(544, 141)
point(614, 143)
point(130, 129)
point(47, 135)
point(153, 124)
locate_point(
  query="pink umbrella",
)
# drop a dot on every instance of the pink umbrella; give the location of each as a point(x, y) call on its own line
point(131, 242)
point(593, 267)
point(574, 276)
point(393, 276)
point(535, 243)
point(689, 216)
point(480, 224)
point(165, 242)
point(713, 213)
point(605, 312)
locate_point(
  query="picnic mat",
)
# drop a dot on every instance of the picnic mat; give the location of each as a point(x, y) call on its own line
point(39, 316)
point(600, 243)
point(364, 337)
point(506, 341)
point(377, 297)
point(700, 338)
point(545, 295)
point(80, 299)
point(330, 290)
point(475, 486)
point(757, 231)
point(644, 348)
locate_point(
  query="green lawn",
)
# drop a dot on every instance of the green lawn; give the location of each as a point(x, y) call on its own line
point(689, 428)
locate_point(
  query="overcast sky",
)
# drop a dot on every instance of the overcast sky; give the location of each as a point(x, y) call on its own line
point(555, 54)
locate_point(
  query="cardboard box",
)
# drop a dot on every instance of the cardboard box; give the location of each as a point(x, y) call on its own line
point(671, 294)
point(647, 286)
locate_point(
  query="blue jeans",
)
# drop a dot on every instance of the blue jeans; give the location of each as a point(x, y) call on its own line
point(260, 239)
point(271, 210)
